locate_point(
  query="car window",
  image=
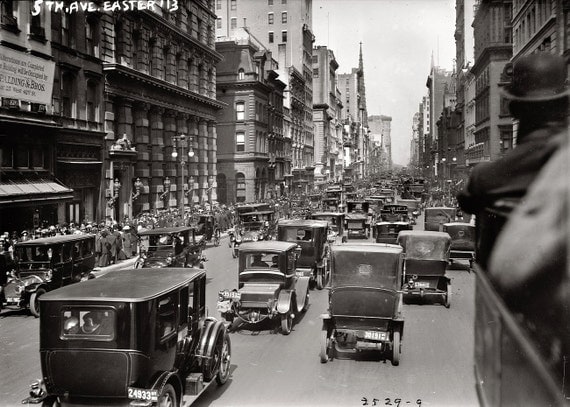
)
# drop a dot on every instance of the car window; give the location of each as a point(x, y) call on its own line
point(166, 316)
point(88, 323)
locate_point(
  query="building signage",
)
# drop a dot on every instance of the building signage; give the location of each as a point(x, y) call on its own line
point(25, 77)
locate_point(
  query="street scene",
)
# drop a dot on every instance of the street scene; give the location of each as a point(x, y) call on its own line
point(284, 202)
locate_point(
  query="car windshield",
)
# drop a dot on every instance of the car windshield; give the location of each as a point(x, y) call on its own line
point(356, 224)
point(262, 260)
point(365, 269)
point(422, 248)
point(80, 323)
point(252, 226)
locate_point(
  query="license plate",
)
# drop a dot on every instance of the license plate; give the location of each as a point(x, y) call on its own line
point(13, 300)
point(230, 295)
point(375, 335)
point(422, 284)
point(142, 394)
point(299, 273)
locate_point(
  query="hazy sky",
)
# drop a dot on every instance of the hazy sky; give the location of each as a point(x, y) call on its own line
point(398, 39)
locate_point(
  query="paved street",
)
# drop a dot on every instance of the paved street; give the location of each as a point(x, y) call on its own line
point(271, 369)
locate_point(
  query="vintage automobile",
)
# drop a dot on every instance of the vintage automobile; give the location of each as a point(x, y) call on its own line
point(45, 264)
point(269, 286)
point(135, 337)
point(394, 213)
point(413, 205)
point(208, 228)
point(426, 256)
point(170, 247)
point(336, 224)
point(253, 227)
point(331, 204)
point(312, 237)
point(365, 301)
point(462, 241)
point(387, 232)
point(357, 226)
point(435, 217)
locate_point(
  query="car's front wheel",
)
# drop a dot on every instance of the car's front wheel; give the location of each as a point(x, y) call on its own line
point(396, 348)
point(167, 397)
point(35, 303)
point(287, 322)
point(225, 360)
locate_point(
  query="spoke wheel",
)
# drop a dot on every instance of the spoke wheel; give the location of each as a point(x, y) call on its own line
point(167, 397)
point(225, 360)
point(286, 323)
point(325, 342)
point(320, 279)
point(448, 296)
point(396, 348)
point(35, 303)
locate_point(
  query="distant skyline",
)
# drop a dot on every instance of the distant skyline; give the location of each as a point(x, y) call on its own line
point(398, 39)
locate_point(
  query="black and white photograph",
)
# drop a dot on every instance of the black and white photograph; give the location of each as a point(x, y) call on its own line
point(236, 203)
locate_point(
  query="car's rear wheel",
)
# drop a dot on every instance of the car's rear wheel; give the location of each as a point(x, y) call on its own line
point(35, 303)
point(396, 348)
point(287, 322)
point(448, 296)
point(225, 360)
point(167, 397)
point(320, 279)
point(325, 343)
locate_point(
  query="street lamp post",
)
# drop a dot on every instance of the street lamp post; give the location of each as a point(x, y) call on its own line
point(182, 140)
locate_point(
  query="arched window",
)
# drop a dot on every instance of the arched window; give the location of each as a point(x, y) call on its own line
point(240, 187)
point(241, 74)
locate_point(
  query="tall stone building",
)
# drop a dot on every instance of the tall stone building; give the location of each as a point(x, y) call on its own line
point(355, 117)
point(160, 108)
point(285, 28)
point(51, 117)
point(493, 50)
point(251, 145)
point(326, 115)
point(380, 127)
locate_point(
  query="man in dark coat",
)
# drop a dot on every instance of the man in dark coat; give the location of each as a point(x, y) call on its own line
point(539, 101)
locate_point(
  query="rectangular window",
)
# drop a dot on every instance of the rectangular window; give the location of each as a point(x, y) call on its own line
point(269, 2)
point(233, 4)
point(315, 59)
point(219, 23)
point(233, 23)
point(270, 18)
point(315, 72)
point(240, 142)
point(271, 37)
point(284, 17)
point(240, 111)
point(283, 36)
point(81, 323)
point(218, 4)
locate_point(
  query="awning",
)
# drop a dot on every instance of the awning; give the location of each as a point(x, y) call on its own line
point(32, 191)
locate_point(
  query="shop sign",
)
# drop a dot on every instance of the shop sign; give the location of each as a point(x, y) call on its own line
point(25, 77)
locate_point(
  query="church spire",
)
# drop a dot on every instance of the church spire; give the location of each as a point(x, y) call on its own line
point(360, 62)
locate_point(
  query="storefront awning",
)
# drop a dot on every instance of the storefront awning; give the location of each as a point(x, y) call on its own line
point(32, 190)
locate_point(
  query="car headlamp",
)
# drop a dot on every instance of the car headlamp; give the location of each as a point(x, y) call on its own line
point(169, 261)
point(49, 274)
point(255, 238)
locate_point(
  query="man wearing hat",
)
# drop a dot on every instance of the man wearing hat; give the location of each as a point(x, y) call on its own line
point(538, 97)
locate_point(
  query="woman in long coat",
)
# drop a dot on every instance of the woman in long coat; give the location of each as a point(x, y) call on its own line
point(105, 249)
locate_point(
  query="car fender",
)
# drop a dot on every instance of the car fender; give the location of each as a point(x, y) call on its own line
point(211, 331)
point(164, 378)
point(302, 286)
point(284, 301)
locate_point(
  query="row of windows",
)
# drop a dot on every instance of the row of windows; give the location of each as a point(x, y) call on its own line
point(271, 18)
point(233, 4)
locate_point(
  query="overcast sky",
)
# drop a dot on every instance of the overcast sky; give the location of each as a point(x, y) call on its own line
point(398, 39)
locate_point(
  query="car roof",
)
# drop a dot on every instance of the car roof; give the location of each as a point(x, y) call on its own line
point(127, 285)
point(392, 223)
point(433, 208)
point(424, 233)
point(257, 213)
point(46, 241)
point(269, 245)
point(367, 247)
point(160, 231)
point(314, 223)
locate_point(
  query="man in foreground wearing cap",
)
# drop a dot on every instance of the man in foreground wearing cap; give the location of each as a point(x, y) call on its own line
point(539, 101)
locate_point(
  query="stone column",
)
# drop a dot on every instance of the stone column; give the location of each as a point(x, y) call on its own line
point(203, 158)
point(212, 158)
point(171, 165)
point(193, 170)
point(143, 165)
point(182, 128)
point(157, 156)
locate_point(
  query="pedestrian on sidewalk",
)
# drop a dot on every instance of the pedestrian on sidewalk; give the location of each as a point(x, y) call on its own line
point(105, 247)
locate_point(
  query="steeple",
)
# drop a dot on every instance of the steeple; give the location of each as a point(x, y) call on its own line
point(360, 62)
point(361, 88)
